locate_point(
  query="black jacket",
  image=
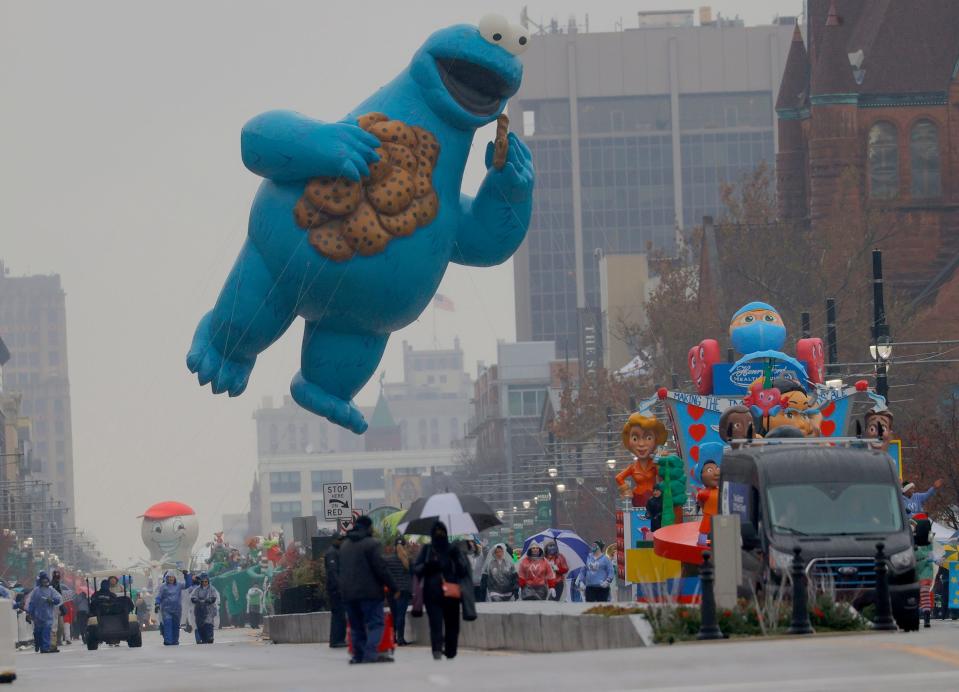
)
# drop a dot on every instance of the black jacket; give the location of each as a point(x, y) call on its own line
point(654, 510)
point(400, 573)
point(436, 566)
point(363, 573)
point(331, 563)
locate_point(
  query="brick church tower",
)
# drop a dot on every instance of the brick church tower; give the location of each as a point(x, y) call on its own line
point(868, 115)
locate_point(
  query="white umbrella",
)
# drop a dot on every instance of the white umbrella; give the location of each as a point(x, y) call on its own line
point(462, 514)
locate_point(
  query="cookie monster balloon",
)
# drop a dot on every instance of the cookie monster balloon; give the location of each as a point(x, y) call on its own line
point(356, 221)
point(758, 332)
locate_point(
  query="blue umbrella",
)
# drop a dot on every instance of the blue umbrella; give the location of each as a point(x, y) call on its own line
point(570, 545)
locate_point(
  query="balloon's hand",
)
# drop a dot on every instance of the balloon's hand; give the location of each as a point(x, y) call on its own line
point(345, 150)
point(515, 179)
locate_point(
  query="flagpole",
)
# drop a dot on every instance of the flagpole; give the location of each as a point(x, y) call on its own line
point(435, 342)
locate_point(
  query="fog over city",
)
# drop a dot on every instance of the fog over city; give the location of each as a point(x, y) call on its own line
point(121, 172)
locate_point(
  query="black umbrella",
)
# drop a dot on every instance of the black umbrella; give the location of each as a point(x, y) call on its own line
point(462, 514)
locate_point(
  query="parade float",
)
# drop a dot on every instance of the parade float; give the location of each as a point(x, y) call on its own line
point(732, 400)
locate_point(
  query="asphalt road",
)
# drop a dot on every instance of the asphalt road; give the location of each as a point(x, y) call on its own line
point(239, 661)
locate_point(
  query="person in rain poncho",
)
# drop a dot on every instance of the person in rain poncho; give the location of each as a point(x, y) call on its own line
point(168, 605)
point(43, 611)
point(477, 561)
point(206, 601)
point(560, 568)
point(537, 580)
point(500, 574)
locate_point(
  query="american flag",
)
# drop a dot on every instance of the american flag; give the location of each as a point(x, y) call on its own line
point(441, 302)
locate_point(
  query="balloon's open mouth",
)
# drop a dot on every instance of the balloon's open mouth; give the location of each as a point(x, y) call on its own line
point(477, 89)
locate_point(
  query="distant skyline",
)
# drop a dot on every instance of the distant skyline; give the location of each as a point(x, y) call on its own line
point(121, 172)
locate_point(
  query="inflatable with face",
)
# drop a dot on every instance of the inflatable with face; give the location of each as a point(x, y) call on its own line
point(169, 531)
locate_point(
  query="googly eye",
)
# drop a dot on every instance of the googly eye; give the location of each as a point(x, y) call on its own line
point(494, 28)
point(748, 319)
point(517, 40)
point(769, 318)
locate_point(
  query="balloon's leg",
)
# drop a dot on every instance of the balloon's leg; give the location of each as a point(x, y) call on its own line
point(251, 313)
point(333, 368)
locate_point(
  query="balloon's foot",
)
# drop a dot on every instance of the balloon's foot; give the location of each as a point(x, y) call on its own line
point(314, 398)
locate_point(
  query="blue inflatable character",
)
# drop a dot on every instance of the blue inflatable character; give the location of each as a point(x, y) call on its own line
point(758, 332)
point(356, 279)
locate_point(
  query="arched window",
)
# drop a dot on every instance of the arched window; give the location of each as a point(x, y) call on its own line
point(883, 161)
point(924, 157)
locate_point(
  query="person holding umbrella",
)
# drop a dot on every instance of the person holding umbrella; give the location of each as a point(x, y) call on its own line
point(446, 575)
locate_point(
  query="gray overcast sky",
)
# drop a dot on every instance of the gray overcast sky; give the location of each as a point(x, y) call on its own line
point(121, 172)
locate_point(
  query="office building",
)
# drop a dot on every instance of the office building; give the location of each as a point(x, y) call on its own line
point(508, 403)
point(34, 326)
point(633, 133)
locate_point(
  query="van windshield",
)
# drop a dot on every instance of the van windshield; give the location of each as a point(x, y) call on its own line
point(831, 508)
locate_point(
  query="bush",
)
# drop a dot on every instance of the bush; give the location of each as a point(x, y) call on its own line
point(673, 623)
point(612, 610)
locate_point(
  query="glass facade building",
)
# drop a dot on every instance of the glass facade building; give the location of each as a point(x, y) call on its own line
point(650, 159)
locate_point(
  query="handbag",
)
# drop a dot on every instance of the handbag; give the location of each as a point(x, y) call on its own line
point(452, 590)
point(417, 611)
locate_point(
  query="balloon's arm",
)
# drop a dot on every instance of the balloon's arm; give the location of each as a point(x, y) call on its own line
point(493, 224)
point(285, 146)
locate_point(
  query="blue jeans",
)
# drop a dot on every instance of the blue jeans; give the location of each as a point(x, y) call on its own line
point(366, 628)
point(170, 628)
point(398, 605)
point(41, 636)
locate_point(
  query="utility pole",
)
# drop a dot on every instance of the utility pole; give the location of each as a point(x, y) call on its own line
point(831, 345)
point(806, 329)
point(880, 330)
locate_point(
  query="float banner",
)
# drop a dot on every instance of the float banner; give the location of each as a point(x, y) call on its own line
point(731, 381)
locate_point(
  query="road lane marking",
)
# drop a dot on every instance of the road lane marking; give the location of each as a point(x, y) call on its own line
point(936, 653)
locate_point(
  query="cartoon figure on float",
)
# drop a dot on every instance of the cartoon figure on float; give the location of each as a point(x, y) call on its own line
point(878, 423)
point(169, 531)
point(356, 221)
point(736, 423)
point(757, 332)
point(707, 472)
point(797, 408)
point(642, 435)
